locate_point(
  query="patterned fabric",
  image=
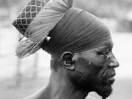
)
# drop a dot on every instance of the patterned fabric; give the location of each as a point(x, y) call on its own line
point(28, 14)
point(36, 27)
point(69, 28)
point(78, 31)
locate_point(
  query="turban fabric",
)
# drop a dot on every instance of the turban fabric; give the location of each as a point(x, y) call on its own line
point(68, 29)
point(28, 14)
point(77, 31)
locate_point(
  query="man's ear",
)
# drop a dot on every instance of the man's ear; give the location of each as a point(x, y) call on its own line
point(67, 59)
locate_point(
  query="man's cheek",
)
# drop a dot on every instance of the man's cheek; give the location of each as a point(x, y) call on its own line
point(98, 60)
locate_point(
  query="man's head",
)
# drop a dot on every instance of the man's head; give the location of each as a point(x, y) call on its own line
point(92, 70)
point(84, 46)
point(77, 38)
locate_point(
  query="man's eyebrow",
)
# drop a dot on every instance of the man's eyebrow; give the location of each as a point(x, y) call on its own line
point(108, 45)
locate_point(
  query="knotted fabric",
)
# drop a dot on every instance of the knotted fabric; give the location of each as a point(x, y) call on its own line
point(59, 27)
point(38, 27)
point(77, 31)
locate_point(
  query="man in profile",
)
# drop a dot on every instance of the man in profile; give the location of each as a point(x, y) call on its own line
point(80, 46)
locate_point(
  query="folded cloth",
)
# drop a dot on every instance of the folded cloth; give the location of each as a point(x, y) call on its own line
point(28, 14)
point(49, 13)
point(78, 31)
point(59, 27)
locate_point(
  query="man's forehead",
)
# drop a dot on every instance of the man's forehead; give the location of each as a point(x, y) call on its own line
point(107, 45)
point(91, 54)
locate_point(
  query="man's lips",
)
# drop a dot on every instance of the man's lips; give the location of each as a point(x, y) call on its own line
point(111, 80)
point(109, 76)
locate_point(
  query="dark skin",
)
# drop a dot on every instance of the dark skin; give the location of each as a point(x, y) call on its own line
point(96, 68)
point(74, 75)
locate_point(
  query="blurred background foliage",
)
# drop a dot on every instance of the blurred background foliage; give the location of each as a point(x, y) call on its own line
point(21, 77)
point(117, 10)
point(107, 8)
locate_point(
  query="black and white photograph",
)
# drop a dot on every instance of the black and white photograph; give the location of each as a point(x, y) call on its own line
point(65, 49)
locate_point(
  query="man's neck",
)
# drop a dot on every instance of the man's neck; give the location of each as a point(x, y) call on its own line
point(62, 88)
point(59, 87)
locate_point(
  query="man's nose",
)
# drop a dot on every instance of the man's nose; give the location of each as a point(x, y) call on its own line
point(113, 62)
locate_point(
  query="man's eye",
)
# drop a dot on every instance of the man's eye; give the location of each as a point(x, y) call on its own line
point(100, 53)
point(103, 52)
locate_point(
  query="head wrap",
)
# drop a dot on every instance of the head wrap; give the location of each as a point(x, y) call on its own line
point(77, 31)
point(68, 29)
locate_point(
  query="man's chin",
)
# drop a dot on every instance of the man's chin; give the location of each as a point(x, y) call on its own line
point(104, 91)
